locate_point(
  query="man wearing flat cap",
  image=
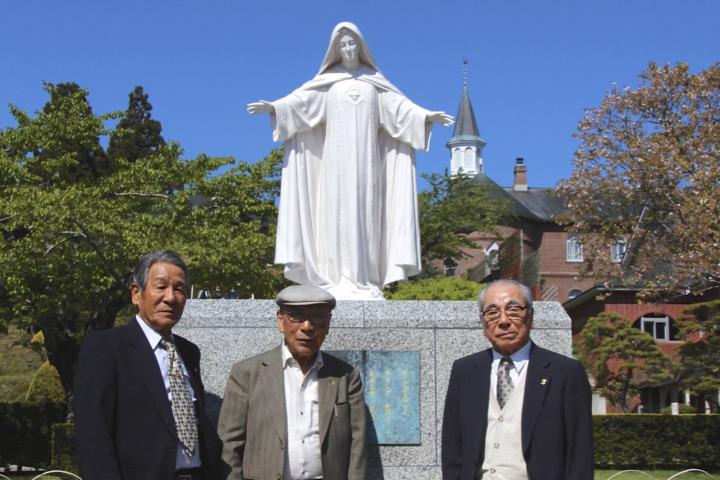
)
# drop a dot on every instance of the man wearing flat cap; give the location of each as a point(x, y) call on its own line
point(295, 413)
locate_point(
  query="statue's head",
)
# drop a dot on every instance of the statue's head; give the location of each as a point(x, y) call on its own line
point(347, 47)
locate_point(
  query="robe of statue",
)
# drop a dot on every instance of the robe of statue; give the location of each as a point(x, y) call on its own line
point(348, 215)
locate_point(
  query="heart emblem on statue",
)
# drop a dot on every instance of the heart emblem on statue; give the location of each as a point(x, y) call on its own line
point(354, 96)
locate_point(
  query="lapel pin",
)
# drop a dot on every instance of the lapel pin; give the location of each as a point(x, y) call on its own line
point(332, 382)
point(543, 381)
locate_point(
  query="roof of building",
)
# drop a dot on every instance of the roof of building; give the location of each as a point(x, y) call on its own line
point(543, 204)
point(536, 204)
point(466, 129)
point(495, 191)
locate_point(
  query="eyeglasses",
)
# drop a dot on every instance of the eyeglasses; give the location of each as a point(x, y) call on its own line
point(315, 319)
point(512, 312)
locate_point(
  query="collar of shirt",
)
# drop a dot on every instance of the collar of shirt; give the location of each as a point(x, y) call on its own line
point(289, 360)
point(152, 336)
point(519, 358)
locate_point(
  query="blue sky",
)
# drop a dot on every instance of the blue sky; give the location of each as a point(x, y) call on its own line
point(533, 65)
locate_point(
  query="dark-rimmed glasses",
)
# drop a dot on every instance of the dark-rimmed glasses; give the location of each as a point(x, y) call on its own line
point(513, 312)
point(315, 319)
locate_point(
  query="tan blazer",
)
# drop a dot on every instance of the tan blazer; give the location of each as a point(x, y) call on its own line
point(253, 425)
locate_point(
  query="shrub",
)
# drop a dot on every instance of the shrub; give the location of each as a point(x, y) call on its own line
point(46, 386)
point(25, 427)
point(63, 454)
point(657, 441)
point(682, 409)
point(436, 288)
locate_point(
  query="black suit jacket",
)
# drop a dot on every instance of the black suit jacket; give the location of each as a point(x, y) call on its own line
point(123, 419)
point(556, 417)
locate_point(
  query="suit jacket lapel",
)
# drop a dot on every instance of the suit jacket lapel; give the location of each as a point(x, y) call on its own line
point(537, 384)
point(147, 366)
point(274, 380)
point(480, 397)
point(328, 384)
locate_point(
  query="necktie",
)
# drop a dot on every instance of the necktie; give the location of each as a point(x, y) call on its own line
point(182, 406)
point(504, 383)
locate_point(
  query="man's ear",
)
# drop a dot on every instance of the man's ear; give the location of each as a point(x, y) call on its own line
point(280, 324)
point(135, 294)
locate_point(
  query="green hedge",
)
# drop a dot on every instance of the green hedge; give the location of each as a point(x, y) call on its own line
point(26, 431)
point(64, 454)
point(435, 288)
point(657, 441)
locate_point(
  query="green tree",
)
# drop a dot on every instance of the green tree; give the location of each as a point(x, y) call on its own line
point(699, 364)
point(230, 229)
point(451, 208)
point(70, 238)
point(648, 169)
point(137, 135)
point(621, 357)
point(62, 145)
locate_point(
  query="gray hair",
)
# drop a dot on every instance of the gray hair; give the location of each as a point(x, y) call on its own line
point(140, 275)
point(524, 290)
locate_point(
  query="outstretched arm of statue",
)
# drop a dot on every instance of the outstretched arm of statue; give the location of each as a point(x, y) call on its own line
point(261, 106)
point(438, 117)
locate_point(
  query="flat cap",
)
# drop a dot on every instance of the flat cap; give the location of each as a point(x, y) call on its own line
point(304, 295)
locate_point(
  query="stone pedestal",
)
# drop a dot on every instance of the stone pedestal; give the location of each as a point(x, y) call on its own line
point(441, 331)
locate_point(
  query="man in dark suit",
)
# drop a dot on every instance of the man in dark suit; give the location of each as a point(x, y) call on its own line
point(138, 396)
point(294, 412)
point(516, 411)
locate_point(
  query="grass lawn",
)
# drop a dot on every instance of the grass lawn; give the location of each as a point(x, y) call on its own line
point(46, 477)
point(653, 475)
point(18, 363)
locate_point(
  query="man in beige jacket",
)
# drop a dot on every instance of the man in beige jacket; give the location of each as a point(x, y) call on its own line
point(295, 413)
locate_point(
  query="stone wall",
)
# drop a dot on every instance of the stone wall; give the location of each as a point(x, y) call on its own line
point(230, 330)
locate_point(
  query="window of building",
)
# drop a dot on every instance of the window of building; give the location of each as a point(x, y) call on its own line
point(492, 255)
point(659, 326)
point(574, 293)
point(618, 249)
point(574, 249)
point(449, 268)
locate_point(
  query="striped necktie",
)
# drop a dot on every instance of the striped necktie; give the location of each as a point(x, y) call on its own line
point(182, 406)
point(504, 382)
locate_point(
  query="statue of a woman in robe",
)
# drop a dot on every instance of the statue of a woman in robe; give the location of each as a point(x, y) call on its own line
point(348, 216)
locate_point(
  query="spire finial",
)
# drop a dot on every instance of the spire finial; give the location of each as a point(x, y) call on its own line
point(465, 71)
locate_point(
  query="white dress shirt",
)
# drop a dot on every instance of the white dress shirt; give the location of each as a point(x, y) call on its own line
point(520, 360)
point(303, 459)
point(183, 460)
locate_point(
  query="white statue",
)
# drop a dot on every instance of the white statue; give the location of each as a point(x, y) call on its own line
point(348, 219)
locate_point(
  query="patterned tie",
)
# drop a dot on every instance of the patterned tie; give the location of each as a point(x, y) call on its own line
point(182, 406)
point(504, 383)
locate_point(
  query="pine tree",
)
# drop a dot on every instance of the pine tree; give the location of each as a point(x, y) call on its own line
point(137, 135)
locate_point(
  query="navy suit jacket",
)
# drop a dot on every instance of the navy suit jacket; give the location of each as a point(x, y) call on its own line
point(556, 417)
point(123, 419)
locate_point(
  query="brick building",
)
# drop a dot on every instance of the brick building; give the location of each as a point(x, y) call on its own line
point(530, 246)
point(656, 318)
